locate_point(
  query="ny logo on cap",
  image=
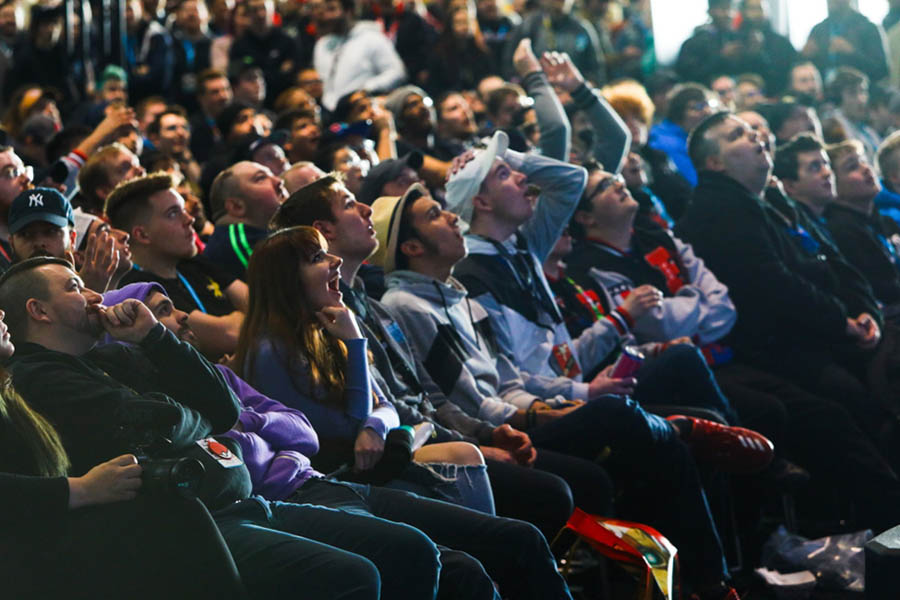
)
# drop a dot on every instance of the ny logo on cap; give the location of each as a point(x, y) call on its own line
point(35, 200)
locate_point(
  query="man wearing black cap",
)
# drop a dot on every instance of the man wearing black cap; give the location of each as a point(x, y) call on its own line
point(244, 197)
point(42, 223)
point(391, 177)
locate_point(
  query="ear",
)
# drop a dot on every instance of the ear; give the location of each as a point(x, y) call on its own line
point(893, 179)
point(715, 163)
point(73, 235)
point(482, 203)
point(37, 311)
point(139, 235)
point(236, 207)
point(790, 186)
point(583, 218)
point(326, 228)
point(412, 248)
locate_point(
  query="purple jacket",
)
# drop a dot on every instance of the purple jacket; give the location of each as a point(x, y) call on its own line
point(275, 440)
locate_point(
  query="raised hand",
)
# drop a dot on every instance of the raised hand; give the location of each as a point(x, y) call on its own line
point(459, 162)
point(101, 259)
point(524, 60)
point(561, 72)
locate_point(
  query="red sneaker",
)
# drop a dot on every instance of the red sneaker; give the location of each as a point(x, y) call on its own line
point(729, 449)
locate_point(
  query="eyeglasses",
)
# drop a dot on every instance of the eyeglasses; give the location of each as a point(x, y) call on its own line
point(608, 182)
point(13, 172)
point(605, 184)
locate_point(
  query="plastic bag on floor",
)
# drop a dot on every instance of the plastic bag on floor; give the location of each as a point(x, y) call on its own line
point(838, 561)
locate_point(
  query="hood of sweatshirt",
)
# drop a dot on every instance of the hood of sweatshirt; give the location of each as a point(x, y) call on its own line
point(449, 293)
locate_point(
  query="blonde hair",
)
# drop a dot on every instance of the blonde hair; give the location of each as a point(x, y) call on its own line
point(45, 451)
point(629, 98)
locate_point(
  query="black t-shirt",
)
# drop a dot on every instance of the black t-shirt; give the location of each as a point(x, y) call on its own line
point(230, 247)
point(200, 286)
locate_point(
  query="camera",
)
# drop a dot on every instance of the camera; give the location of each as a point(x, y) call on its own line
point(144, 428)
point(180, 476)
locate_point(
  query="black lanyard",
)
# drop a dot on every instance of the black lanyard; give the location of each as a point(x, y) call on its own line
point(527, 279)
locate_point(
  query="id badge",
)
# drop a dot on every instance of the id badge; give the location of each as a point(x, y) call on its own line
point(395, 332)
point(564, 361)
point(220, 453)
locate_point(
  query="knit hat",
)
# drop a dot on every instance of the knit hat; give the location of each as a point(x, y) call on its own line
point(386, 216)
point(394, 101)
point(111, 72)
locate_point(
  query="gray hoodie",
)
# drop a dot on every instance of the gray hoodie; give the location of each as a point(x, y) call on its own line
point(451, 334)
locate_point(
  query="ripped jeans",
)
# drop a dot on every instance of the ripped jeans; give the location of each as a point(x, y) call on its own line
point(465, 485)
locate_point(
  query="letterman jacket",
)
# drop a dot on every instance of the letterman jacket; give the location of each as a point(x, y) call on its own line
point(695, 304)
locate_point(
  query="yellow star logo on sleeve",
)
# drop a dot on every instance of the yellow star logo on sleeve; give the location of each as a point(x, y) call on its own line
point(214, 288)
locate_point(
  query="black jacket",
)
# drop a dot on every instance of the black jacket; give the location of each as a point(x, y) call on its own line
point(666, 182)
point(767, 53)
point(117, 398)
point(852, 288)
point(862, 239)
point(787, 298)
point(866, 38)
point(700, 57)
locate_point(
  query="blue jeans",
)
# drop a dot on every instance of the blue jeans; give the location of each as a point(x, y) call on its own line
point(466, 485)
point(270, 544)
point(681, 376)
point(513, 553)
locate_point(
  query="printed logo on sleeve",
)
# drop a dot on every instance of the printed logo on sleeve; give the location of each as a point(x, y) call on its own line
point(220, 453)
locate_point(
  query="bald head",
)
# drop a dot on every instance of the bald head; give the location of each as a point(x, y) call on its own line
point(300, 175)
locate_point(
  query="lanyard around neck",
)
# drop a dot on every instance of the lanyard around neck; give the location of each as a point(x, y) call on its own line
point(528, 280)
point(187, 286)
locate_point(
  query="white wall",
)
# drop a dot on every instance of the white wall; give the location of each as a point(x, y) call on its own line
point(673, 22)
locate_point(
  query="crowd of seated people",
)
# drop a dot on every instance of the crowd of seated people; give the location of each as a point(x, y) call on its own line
point(362, 271)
